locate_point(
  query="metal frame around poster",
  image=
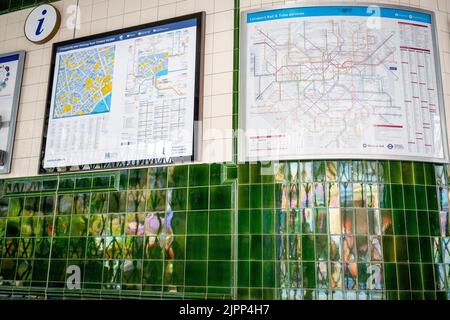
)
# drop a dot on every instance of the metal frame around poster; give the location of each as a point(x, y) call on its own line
point(242, 152)
point(198, 99)
point(6, 168)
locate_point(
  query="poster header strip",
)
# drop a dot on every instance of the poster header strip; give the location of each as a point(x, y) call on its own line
point(14, 57)
point(359, 11)
point(130, 35)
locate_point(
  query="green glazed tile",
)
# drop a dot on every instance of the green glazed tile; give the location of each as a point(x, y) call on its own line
point(31, 206)
point(432, 198)
point(198, 198)
point(47, 205)
point(232, 173)
point(421, 197)
point(269, 242)
point(138, 179)
point(383, 171)
point(424, 227)
point(413, 249)
point(179, 199)
point(256, 221)
point(388, 249)
point(157, 178)
point(243, 196)
point(197, 222)
point(99, 202)
point(407, 172)
point(409, 195)
point(66, 183)
point(428, 277)
point(243, 221)
point(435, 229)
point(199, 175)
point(81, 203)
point(243, 247)
point(419, 175)
point(13, 227)
point(117, 202)
point(309, 275)
point(255, 196)
point(220, 222)
point(49, 184)
point(255, 172)
point(268, 221)
point(243, 173)
point(178, 176)
point(430, 178)
point(411, 223)
point(220, 197)
point(397, 196)
point(65, 204)
point(267, 175)
point(403, 276)
point(425, 249)
point(195, 273)
point(136, 201)
point(255, 274)
point(308, 252)
point(4, 203)
point(219, 248)
point(390, 276)
point(83, 183)
point(216, 177)
point(15, 207)
point(269, 278)
point(256, 247)
point(399, 222)
point(395, 171)
point(219, 273)
point(123, 179)
point(268, 194)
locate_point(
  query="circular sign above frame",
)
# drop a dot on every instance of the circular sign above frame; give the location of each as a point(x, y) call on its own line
point(42, 24)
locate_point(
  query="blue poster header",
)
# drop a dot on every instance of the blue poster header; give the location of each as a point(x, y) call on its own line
point(130, 35)
point(14, 57)
point(358, 11)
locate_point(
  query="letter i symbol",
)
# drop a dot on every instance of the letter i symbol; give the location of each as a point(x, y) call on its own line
point(39, 29)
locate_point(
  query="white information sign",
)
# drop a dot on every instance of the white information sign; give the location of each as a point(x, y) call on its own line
point(341, 82)
point(130, 96)
point(11, 70)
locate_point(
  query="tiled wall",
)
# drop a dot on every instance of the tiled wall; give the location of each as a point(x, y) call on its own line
point(308, 230)
point(95, 16)
point(343, 230)
point(141, 233)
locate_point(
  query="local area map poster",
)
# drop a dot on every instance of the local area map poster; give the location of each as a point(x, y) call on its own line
point(124, 98)
point(11, 69)
point(340, 82)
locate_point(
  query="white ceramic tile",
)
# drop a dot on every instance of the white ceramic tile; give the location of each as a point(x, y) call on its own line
point(100, 10)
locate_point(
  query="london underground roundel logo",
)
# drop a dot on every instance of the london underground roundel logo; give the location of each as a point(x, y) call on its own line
point(42, 23)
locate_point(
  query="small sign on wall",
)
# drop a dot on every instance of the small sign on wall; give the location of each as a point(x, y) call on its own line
point(11, 70)
point(42, 24)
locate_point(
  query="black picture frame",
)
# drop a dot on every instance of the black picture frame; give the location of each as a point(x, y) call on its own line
point(200, 18)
